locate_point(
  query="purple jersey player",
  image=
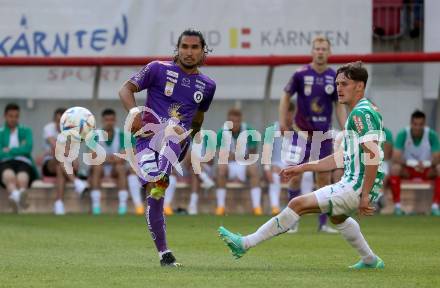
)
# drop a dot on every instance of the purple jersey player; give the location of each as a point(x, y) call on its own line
point(314, 86)
point(178, 95)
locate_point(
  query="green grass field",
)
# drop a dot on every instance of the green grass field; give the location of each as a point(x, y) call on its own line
point(112, 251)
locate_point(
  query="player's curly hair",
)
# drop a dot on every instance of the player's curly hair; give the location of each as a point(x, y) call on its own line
point(192, 32)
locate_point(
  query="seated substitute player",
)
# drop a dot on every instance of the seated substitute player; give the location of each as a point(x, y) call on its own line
point(314, 87)
point(114, 167)
point(234, 170)
point(17, 169)
point(363, 175)
point(197, 181)
point(52, 168)
point(284, 155)
point(204, 178)
point(178, 95)
point(416, 155)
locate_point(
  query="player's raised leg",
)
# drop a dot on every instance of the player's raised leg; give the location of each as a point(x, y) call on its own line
point(277, 225)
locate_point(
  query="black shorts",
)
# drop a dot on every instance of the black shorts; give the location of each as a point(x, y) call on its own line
point(17, 166)
point(45, 169)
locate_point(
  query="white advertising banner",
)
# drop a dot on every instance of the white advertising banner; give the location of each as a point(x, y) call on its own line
point(151, 28)
point(431, 76)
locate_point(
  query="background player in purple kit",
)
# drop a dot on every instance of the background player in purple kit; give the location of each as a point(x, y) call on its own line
point(179, 94)
point(314, 85)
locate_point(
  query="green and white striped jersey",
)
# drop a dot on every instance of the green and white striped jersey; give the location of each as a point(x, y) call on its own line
point(364, 124)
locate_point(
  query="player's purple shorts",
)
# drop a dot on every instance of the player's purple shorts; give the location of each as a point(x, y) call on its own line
point(311, 149)
point(143, 148)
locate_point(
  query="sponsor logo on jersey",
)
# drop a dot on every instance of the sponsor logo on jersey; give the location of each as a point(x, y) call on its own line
point(169, 88)
point(315, 107)
point(200, 87)
point(200, 82)
point(172, 80)
point(308, 90)
point(368, 120)
point(329, 89)
point(186, 82)
point(358, 123)
point(172, 74)
point(198, 97)
point(308, 80)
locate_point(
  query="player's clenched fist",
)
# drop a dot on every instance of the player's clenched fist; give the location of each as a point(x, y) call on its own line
point(291, 171)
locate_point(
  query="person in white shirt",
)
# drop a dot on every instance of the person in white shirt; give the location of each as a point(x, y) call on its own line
point(52, 168)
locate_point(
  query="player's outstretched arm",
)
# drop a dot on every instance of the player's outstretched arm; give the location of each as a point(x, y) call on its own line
point(326, 164)
point(371, 162)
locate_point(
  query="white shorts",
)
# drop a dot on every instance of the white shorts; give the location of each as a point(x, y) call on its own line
point(236, 171)
point(279, 164)
point(338, 199)
point(386, 167)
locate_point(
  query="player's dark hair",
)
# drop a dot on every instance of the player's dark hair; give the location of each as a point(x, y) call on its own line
point(11, 107)
point(107, 112)
point(291, 107)
point(354, 71)
point(59, 111)
point(192, 32)
point(418, 115)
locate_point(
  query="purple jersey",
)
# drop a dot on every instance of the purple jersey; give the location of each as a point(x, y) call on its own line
point(315, 96)
point(173, 93)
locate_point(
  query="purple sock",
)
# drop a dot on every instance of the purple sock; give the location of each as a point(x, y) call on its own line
point(322, 219)
point(293, 193)
point(169, 156)
point(156, 223)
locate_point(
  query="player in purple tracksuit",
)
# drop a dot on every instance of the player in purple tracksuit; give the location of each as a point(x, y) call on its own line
point(314, 86)
point(178, 95)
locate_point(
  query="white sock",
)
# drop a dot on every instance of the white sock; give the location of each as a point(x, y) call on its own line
point(135, 189)
point(397, 205)
point(169, 192)
point(256, 197)
point(221, 197)
point(15, 195)
point(351, 232)
point(79, 185)
point(193, 199)
point(307, 182)
point(96, 198)
point(123, 197)
point(434, 206)
point(274, 191)
point(163, 252)
point(275, 226)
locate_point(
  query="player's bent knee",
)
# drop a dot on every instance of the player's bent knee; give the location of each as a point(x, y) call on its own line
point(437, 169)
point(338, 219)
point(157, 193)
point(8, 175)
point(396, 169)
point(297, 204)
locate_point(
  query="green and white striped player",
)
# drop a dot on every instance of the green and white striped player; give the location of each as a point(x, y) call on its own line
point(362, 159)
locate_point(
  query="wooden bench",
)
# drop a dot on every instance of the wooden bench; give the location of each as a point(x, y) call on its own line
point(41, 197)
point(413, 197)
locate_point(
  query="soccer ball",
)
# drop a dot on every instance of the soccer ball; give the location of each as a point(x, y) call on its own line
point(77, 122)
